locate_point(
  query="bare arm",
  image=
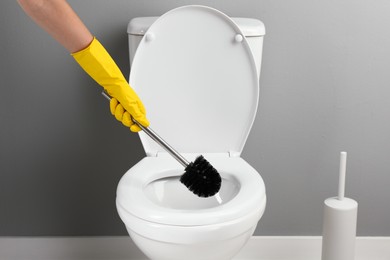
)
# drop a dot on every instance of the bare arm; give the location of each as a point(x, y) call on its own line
point(60, 21)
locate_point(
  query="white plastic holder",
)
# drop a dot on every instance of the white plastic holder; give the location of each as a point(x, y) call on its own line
point(339, 222)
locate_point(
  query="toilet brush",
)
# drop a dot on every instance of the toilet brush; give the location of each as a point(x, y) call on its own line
point(200, 176)
point(339, 223)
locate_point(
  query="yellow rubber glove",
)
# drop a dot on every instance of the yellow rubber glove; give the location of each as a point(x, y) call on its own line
point(96, 61)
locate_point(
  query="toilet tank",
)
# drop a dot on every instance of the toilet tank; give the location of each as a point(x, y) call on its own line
point(252, 29)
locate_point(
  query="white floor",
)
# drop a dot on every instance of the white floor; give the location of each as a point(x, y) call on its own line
point(118, 248)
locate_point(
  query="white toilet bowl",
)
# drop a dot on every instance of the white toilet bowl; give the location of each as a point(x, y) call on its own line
point(197, 77)
point(167, 221)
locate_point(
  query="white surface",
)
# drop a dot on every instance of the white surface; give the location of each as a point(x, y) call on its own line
point(249, 27)
point(153, 204)
point(136, 195)
point(191, 234)
point(345, 204)
point(342, 173)
point(193, 66)
point(200, 85)
point(339, 229)
point(252, 29)
point(121, 248)
point(204, 250)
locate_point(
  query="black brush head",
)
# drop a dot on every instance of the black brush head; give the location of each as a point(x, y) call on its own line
point(201, 178)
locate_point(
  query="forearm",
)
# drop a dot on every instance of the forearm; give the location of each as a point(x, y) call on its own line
point(60, 21)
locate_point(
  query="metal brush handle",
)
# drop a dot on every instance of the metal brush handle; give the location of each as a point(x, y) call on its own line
point(158, 139)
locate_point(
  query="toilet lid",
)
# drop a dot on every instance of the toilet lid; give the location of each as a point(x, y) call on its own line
point(196, 76)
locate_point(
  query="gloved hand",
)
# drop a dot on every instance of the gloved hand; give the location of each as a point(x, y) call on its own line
point(96, 61)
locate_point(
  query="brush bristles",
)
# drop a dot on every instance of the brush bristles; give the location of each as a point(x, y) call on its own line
point(201, 178)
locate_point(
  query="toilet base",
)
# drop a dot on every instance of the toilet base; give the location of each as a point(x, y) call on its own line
point(216, 250)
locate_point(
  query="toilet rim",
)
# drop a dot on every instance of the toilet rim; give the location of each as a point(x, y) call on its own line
point(132, 199)
point(190, 234)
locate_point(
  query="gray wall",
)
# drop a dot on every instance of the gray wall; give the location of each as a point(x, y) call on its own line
point(325, 87)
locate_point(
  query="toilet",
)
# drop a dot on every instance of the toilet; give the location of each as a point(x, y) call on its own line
point(197, 72)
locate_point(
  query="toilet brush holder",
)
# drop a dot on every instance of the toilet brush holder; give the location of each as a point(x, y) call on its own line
point(339, 222)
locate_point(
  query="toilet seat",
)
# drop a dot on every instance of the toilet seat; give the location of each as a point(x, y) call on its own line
point(195, 73)
point(133, 200)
